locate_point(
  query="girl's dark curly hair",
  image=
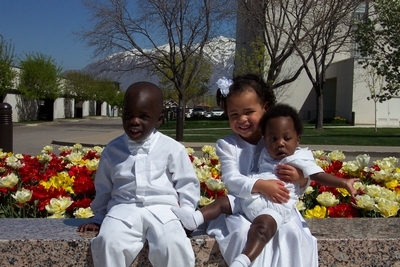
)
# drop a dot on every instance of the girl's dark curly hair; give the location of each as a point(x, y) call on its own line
point(282, 110)
point(247, 82)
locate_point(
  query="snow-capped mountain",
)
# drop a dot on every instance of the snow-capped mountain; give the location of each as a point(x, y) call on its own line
point(220, 51)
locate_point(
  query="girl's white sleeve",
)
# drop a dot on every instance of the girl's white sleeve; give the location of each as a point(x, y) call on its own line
point(238, 185)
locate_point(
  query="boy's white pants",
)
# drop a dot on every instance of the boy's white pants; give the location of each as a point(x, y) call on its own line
point(118, 244)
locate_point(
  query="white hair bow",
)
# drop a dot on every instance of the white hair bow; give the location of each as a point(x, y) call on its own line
point(223, 85)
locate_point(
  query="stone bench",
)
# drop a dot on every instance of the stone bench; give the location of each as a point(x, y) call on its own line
point(55, 242)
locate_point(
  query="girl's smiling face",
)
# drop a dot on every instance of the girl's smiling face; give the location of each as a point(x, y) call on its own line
point(244, 111)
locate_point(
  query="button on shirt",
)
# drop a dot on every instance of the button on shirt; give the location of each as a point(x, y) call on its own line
point(153, 174)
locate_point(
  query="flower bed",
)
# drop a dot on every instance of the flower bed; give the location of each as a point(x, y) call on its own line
point(62, 186)
point(48, 185)
point(378, 187)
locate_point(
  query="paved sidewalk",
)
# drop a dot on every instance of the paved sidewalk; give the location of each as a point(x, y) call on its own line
point(30, 139)
point(103, 138)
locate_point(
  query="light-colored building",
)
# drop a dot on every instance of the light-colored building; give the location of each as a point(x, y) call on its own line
point(26, 110)
point(345, 95)
point(345, 92)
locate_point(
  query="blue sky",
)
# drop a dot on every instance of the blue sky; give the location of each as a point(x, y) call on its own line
point(47, 26)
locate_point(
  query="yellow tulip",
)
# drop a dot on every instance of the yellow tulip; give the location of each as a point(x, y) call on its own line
point(318, 212)
point(83, 213)
point(22, 196)
point(336, 155)
point(327, 199)
point(58, 205)
point(387, 208)
point(9, 180)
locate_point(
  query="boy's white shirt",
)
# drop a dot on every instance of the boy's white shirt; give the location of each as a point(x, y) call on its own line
point(155, 174)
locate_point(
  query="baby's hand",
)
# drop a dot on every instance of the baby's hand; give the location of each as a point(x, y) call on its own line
point(88, 227)
point(274, 189)
point(349, 185)
point(288, 173)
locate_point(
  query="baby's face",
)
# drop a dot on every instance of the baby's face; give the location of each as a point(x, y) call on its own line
point(139, 115)
point(281, 138)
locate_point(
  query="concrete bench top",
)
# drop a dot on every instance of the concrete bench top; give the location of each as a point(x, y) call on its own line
point(341, 242)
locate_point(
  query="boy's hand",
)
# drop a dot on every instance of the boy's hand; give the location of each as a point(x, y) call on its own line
point(88, 227)
point(273, 189)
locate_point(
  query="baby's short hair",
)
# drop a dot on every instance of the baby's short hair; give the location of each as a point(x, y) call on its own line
point(282, 110)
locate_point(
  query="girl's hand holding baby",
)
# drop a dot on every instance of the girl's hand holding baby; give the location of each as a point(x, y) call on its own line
point(273, 189)
point(290, 174)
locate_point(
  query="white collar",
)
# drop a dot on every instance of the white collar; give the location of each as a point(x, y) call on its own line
point(144, 146)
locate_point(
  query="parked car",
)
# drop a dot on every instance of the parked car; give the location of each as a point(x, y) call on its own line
point(217, 112)
point(199, 111)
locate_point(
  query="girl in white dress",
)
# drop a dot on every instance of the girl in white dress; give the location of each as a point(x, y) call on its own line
point(245, 101)
point(282, 129)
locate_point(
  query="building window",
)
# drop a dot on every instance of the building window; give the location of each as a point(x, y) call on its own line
point(360, 14)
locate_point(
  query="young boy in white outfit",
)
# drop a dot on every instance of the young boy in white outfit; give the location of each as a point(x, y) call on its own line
point(281, 128)
point(141, 175)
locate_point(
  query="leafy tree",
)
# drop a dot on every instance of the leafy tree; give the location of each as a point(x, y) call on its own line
point(140, 28)
point(105, 90)
point(378, 37)
point(375, 84)
point(78, 85)
point(253, 61)
point(198, 85)
point(329, 33)
point(298, 35)
point(7, 74)
point(40, 77)
point(84, 86)
point(117, 100)
point(278, 25)
point(204, 97)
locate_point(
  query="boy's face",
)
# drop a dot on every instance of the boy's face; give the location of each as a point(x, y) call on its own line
point(280, 137)
point(244, 112)
point(140, 114)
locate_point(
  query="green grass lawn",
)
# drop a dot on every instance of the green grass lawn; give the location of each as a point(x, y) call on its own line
point(197, 124)
point(211, 130)
point(352, 136)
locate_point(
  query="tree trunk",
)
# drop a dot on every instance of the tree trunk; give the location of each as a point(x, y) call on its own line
point(376, 128)
point(319, 122)
point(180, 118)
point(38, 109)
